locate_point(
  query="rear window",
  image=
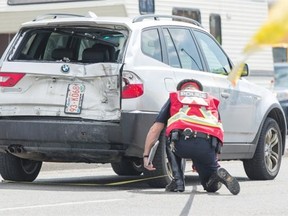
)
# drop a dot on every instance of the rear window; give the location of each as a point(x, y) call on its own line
point(85, 45)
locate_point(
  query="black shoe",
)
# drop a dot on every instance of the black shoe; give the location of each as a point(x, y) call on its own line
point(175, 186)
point(224, 177)
point(213, 187)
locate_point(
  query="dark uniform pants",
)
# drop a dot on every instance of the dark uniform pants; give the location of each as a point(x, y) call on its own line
point(202, 153)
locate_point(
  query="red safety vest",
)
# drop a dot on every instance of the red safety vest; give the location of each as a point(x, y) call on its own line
point(195, 110)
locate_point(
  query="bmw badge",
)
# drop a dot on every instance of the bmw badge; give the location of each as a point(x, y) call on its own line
point(65, 68)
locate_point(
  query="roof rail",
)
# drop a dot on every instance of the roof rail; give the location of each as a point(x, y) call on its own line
point(55, 16)
point(156, 17)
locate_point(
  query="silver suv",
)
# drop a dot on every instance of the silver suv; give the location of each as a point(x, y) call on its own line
point(87, 89)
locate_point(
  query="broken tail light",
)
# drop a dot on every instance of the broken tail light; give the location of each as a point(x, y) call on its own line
point(10, 79)
point(132, 86)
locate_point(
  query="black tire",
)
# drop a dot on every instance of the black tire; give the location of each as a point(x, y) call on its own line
point(128, 167)
point(162, 176)
point(17, 169)
point(266, 161)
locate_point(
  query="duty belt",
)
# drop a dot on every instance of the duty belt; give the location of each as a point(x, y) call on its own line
point(188, 134)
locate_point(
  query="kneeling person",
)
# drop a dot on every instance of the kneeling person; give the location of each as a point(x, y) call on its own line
point(194, 131)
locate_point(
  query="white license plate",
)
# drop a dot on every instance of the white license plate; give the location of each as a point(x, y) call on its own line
point(74, 98)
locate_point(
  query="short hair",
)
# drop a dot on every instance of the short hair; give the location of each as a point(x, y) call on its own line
point(181, 83)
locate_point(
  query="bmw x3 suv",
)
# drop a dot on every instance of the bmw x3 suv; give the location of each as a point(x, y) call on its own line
point(87, 89)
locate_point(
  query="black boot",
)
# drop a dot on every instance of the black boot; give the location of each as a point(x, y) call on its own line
point(213, 186)
point(177, 184)
point(222, 175)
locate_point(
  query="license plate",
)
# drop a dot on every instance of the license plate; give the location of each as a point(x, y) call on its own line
point(74, 98)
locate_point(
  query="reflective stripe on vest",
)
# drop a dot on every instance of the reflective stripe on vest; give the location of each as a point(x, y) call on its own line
point(198, 117)
point(208, 119)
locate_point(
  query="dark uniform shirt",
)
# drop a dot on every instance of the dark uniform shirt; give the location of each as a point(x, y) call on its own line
point(164, 113)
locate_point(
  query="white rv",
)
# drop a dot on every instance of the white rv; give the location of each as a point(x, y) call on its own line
point(232, 22)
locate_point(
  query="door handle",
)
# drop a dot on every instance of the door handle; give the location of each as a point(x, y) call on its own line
point(225, 95)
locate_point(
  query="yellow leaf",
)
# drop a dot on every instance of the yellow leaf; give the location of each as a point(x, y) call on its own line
point(274, 32)
point(235, 74)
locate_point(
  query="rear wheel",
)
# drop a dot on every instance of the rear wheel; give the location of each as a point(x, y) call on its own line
point(162, 176)
point(128, 166)
point(266, 162)
point(17, 169)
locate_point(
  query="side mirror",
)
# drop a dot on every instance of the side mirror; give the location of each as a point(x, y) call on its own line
point(245, 71)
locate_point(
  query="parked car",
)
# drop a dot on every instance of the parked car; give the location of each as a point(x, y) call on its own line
point(281, 85)
point(87, 89)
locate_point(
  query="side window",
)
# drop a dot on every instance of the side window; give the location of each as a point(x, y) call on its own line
point(171, 50)
point(186, 48)
point(217, 60)
point(150, 44)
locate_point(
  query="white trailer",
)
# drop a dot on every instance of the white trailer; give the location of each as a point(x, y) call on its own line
point(239, 20)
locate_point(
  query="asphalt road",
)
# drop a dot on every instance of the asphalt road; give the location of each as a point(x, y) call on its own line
point(80, 189)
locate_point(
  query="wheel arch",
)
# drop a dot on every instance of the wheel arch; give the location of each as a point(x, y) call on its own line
point(275, 112)
point(278, 115)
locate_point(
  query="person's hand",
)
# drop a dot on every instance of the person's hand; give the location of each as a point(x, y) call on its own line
point(148, 166)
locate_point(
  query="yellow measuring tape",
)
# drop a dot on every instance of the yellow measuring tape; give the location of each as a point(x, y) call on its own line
point(88, 184)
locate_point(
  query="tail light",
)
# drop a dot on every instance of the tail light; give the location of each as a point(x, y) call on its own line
point(132, 86)
point(10, 79)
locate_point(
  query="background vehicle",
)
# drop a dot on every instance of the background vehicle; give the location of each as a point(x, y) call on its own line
point(87, 89)
point(281, 85)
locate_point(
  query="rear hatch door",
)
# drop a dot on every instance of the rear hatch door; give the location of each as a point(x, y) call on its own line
point(42, 78)
point(88, 91)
